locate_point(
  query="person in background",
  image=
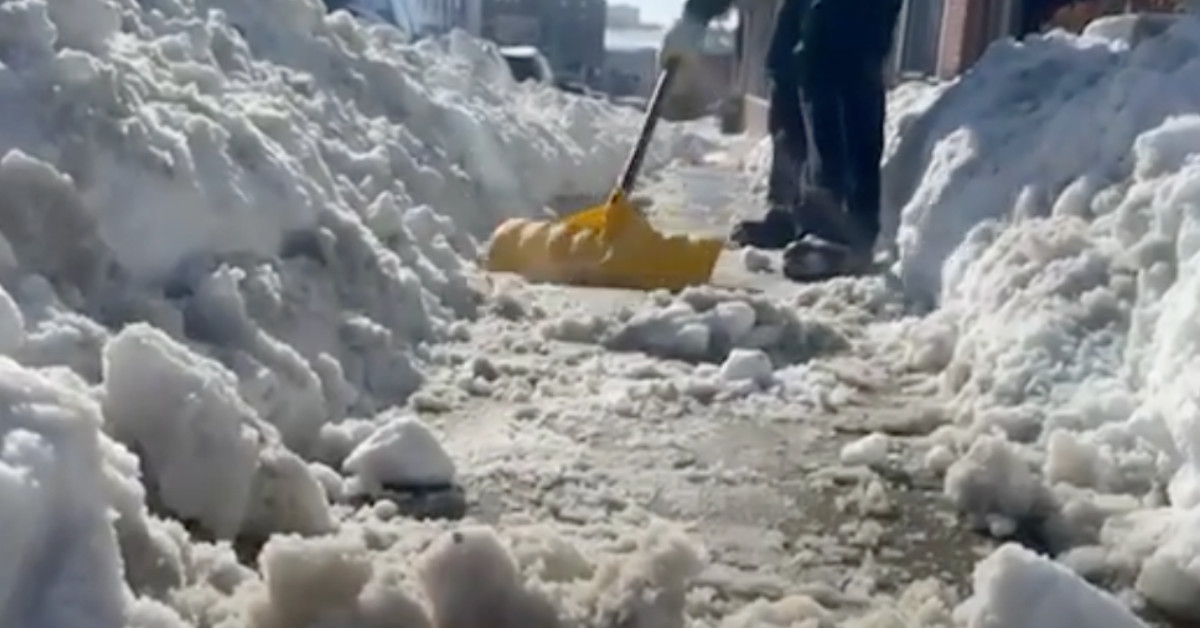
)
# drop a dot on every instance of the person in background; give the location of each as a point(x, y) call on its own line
point(826, 65)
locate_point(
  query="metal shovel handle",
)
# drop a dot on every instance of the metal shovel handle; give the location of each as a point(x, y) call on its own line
point(633, 166)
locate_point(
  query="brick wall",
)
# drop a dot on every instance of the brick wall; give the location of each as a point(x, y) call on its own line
point(963, 35)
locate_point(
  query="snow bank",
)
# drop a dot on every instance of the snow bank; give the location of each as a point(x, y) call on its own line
point(228, 231)
point(288, 185)
point(1049, 204)
point(993, 146)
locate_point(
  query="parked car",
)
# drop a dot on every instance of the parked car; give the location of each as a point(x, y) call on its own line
point(578, 86)
point(527, 63)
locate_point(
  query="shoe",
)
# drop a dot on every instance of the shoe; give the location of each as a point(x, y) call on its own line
point(775, 231)
point(813, 259)
point(822, 215)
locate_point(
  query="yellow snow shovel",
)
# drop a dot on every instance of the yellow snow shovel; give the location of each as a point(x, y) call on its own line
point(610, 245)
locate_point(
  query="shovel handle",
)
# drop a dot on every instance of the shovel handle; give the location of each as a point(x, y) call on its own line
point(653, 112)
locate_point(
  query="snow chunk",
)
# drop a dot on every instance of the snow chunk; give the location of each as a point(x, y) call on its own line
point(1168, 577)
point(747, 365)
point(794, 610)
point(868, 450)
point(496, 597)
point(206, 455)
point(286, 496)
point(329, 579)
point(997, 488)
point(403, 452)
point(755, 261)
point(197, 438)
point(57, 490)
point(648, 589)
point(704, 324)
point(337, 440)
point(1015, 588)
point(939, 459)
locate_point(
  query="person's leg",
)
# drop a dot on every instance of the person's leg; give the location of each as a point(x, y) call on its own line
point(788, 138)
point(789, 146)
point(778, 228)
point(825, 181)
point(865, 106)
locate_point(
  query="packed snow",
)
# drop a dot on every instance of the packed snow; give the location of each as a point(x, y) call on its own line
point(239, 314)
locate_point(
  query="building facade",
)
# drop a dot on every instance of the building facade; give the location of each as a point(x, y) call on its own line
point(512, 22)
point(438, 17)
point(570, 33)
point(917, 40)
point(934, 37)
point(573, 36)
point(970, 26)
point(623, 16)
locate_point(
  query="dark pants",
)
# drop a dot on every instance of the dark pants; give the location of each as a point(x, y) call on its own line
point(827, 114)
point(827, 144)
point(843, 108)
point(789, 147)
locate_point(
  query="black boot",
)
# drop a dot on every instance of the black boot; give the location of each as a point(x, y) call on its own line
point(775, 231)
point(812, 259)
point(834, 245)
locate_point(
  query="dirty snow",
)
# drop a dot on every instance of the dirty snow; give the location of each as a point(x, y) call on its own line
point(230, 229)
point(239, 315)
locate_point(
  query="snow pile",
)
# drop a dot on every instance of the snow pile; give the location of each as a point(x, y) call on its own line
point(992, 146)
point(1050, 206)
point(230, 229)
point(305, 198)
point(706, 325)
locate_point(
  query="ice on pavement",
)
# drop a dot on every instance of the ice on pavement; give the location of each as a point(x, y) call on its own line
point(237, 232)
